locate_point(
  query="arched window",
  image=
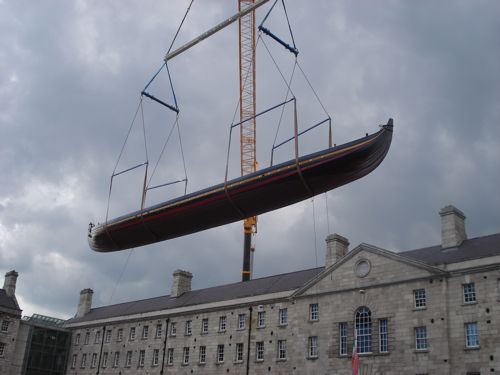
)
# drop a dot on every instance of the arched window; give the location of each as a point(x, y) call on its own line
point(363, 324)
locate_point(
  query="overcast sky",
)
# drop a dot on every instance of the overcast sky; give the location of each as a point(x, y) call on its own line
point(71, 73)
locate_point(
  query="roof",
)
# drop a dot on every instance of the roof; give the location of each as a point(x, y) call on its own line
point(256, 287)
point(43, 320)
point(474, 248)
point(8, 302)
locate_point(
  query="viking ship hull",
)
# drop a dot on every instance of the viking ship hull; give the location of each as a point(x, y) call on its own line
point(254, 194)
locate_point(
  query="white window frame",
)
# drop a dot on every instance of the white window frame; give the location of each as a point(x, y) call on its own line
point(238, 353)
point(5, 326)
point(222, 323)
point(283, 316)
point(104, 360)
point(203, 355)
point(281, 350)
point(204, 326)
point(383, 335)
point(173, 329)
point(469, 292)
point(156, 357)
point(116, 359)
point(73, 360)
point(472, 337)
point(314, 312)
point(107, 336)
point(259, 351)
point(87, 338)
point(97, 337)
point(242, 321)
point(128, 359)
point(131, 335)
point(312, 347)
point(343, 338)
point(77, 339)
point(421, 343)
point(93, 361)
point(145, 332)
point(188, 330)
point(142, 358)
point(119, 335)
point(420, 298)
point(185, 355)
point(220, 353)
point(159, 330)
point(261, 319)
point(170, 356)
point(83, 363)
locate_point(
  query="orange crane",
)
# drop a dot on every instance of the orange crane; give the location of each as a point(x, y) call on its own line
point(248, 128)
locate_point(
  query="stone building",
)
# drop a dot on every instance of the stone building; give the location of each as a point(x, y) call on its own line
point(434, 310)
point(10, 317)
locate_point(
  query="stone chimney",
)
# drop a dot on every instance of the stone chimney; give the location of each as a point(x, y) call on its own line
point(452, 227)
point(85, 303)
point(9, 284)
point(181, 283)
point(336, 248)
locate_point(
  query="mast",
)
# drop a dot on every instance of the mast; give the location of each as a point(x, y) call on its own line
point(248, 128)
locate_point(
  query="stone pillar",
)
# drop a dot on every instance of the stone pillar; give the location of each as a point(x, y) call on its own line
point(85, 303)
point(336, 248)
point(452, 227)
point(9, 284)
point(181, 283)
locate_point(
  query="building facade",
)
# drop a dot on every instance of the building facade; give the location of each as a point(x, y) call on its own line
point(427, 311)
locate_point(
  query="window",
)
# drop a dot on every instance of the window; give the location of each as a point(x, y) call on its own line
point(241, 321)
point(142, 356)
point(159, 330)
point(187, 328)
point(116, 359)
point(222, 323)
point(128, 359)
point(156, 357)
point(73, 361)
point(343, 338)
point(383, 336)
point(281, 349)
point(421, 338)
point(203, 354)
point(238, 355)
point(173, 329)
point(469, 293)
point(185, 355)
point(313, 312)
point(420, 300)
point(131, 335)
point(259, 351)
point(87, 338)
point(84, 360)
point(204, 326)
point(119, 335)
point(364, 329)
point(93, 362)
point(312, 347)
point(97, 338)
point(283, 317)
point(104, 359)
point(471, 335)
point(5, 326)
point(170, 356)
point(107, 337)
point(220, 353)
point(261, 319)
point(145, 332)
point(77, 339)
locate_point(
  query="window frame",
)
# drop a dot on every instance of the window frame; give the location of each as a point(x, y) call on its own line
point(104, 363)
point(170, 356)
point(77, 339)
point(220, 353)
point(74, 359)
point(469, 293)
point(259, 351)
point(142, 358)
point(261, 319)
point(282, 350)
point(86, 340)
point(159, 330)
point(107, 336)
point(419, 298)
point(202, 358)
point(343, 332)
point(363, 324)
point(312, 347)
point(93, 360)
point(239, 352)
point(421, 341)
point(119, 335)
point(222, 323)
point(314, 312)
point(185, 355)
point(188, 328)
point(116, 360)
point(283, 316)
point(97, 337)
point(472, 336)
point(242, 319)
point(128, 359)
point(173, 329)
point(83, 362)
point(131, 334)
point(145, 332)
point(383, 335)
point(155, 360)
point(204, 326)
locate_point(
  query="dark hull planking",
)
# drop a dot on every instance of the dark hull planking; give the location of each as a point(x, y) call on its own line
point(254, 194)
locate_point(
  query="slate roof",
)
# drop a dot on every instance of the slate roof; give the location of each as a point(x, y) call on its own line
point(474, 248)
point(8, 302)
point(256, 287)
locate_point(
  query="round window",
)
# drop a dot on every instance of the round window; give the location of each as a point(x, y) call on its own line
point(362, 268)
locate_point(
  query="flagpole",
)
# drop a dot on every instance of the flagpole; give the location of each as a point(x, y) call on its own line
point(355, 356)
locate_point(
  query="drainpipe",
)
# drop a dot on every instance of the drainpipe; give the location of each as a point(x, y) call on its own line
point(100, 353)
point(164, 347)
point(249, 339)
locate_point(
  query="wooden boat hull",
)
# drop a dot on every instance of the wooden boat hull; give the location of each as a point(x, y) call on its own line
point(254, 194)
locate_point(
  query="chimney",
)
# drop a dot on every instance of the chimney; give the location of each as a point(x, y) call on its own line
point(182, 283)
point(85, 303)
point(452, 227)
point(336, 248)
point(9, 284)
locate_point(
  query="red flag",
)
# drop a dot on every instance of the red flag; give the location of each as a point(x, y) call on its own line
point(355, 356)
